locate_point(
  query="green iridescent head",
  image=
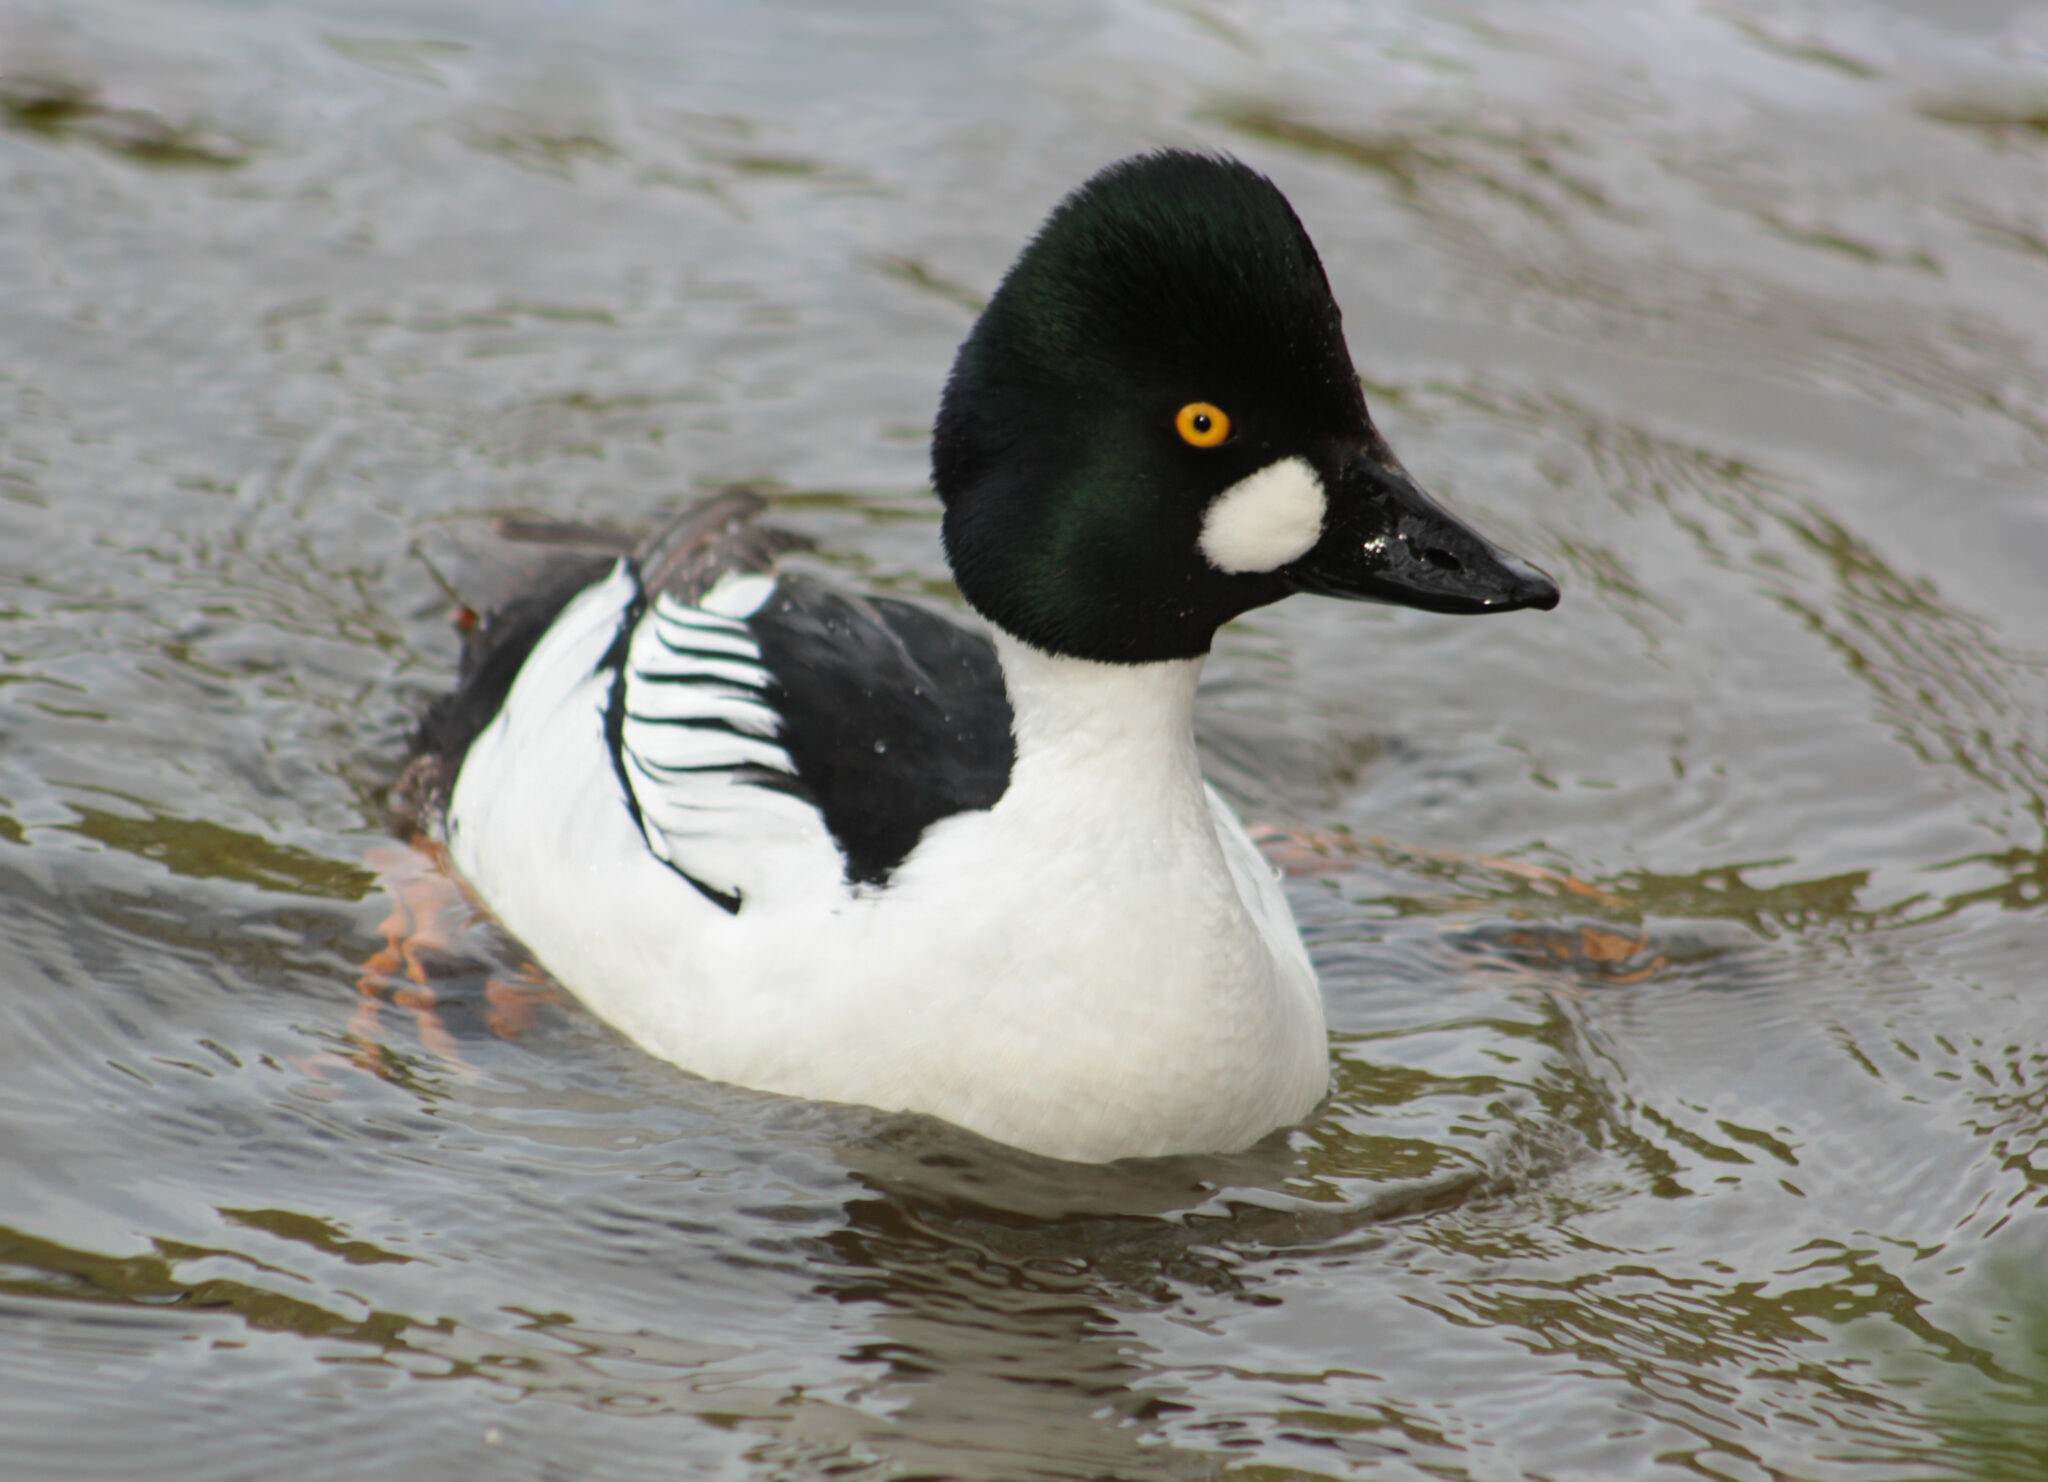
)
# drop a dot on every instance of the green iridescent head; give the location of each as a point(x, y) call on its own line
point(1155, 425)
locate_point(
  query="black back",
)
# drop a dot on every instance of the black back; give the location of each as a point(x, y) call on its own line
point(895, 717)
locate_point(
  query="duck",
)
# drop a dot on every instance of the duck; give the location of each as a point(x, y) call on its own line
point(854, 848)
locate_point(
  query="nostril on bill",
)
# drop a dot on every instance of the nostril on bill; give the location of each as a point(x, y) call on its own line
point(1441, 559)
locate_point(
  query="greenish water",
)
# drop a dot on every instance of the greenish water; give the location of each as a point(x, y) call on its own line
point(1730, 1163)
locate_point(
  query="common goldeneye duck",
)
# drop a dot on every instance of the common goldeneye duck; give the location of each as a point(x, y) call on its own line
point(845, 848)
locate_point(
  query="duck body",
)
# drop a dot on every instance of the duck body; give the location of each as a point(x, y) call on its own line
point(1094, 965)
point(848, 849)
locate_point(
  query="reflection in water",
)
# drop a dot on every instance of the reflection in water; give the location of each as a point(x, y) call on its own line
point(62, 110)
point(1689, 1105)
point(1430, 170)
point(996, 1315)
point(1943, 683)
point(1941, 678)
point(39, 1268)
point(203, 850)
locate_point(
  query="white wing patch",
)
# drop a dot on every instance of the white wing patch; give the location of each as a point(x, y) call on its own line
point(1265, 519)
point(699, 750)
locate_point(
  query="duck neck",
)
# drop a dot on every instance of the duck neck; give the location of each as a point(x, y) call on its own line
point(1124, 732)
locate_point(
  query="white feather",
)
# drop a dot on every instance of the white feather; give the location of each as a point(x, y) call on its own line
point(1265, 519)
point(738, 594)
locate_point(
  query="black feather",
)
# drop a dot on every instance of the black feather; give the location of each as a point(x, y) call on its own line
point(895, 716)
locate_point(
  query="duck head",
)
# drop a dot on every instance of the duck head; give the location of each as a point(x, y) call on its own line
point(1155, 426)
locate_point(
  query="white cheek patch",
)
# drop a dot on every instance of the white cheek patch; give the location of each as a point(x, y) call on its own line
point(1265, 519)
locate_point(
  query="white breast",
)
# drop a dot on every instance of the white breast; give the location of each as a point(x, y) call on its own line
point(1099, 966)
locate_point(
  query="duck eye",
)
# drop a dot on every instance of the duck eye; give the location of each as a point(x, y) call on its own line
point(1202, 424)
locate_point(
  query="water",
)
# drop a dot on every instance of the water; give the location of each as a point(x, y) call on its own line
point(1685, 963)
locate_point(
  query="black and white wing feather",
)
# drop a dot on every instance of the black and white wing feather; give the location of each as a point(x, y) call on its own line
point(698, 743)
point(772, 738)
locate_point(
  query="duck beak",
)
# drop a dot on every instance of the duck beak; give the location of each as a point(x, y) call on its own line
point(1384, 540)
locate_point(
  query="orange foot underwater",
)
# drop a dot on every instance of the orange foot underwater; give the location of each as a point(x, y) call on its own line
point(439, 944)
point(1608, 954)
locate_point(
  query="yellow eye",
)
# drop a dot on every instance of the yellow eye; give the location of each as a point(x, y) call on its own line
point(1202, 424)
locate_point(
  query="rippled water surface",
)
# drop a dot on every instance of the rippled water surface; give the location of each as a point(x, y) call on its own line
point(1684, 947)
